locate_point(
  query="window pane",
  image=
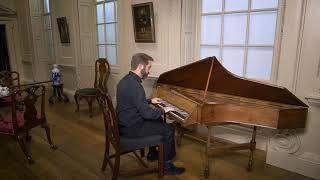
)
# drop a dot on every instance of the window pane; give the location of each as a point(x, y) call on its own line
point(100, 0)
point(46, 6)
point(49, 37)
point(112, 54)
point(206, 51)
point(109, 12)
point(111, 33)
point(116, 10)
point(232, 59)
point(210, 29)
point(51, 52)
point(259, 4)
point(262, 28)
point(102, 51)
point(101, 35)
point(259, 63)
point(235, 26)
point(47, 22)
point(233, 5)
point(100, 17)
point(209, 6)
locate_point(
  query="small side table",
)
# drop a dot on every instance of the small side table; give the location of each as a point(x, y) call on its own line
point(58, 93)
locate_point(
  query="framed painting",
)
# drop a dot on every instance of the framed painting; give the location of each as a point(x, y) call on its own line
point(63, 30)
point(143, 22)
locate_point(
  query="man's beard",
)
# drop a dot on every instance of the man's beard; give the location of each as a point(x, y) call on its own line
point(144, 74)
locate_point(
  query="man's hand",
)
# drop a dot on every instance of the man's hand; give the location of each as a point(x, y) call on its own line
point(155, 100)
point(168, 109)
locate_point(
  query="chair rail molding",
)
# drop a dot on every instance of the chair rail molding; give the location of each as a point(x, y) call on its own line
point(313, 100)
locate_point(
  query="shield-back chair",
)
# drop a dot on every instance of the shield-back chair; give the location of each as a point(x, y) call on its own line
point(123, 145)
point(102, 73)
point(26, 113)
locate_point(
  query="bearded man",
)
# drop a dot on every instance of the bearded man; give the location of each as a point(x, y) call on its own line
point(138, 119)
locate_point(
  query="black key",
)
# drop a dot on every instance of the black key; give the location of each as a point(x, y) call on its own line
point(178, 114)
point(161, 104)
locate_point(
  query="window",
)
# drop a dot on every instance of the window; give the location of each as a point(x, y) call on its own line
point(241, 34)
point(107, 30)
point(48, 28)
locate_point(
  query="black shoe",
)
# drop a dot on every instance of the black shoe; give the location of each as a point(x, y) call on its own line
point(152, 156)
point(171, 169)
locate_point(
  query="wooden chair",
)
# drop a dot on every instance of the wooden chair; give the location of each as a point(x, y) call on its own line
point(102, 73)
point(26, 114)
point(123, 145)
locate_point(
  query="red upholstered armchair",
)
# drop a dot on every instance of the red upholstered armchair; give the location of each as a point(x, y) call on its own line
point(26, 113)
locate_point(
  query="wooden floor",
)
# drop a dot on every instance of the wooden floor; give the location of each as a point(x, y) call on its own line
point(80, 142)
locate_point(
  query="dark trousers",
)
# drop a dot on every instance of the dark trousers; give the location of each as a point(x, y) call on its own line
point(154, 127)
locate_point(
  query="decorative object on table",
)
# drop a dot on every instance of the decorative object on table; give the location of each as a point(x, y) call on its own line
point(10, 79)
point(143, 22)
point(102, 72)
point(4, 91)
point(18, 123)
point(56, 75)
point(63, 30)
point(57, 86)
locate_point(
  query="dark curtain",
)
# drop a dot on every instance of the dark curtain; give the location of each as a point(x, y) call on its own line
point(4, 57)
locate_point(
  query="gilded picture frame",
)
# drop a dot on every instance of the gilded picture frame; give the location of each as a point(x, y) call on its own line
point(63, 30)
point(143, 22)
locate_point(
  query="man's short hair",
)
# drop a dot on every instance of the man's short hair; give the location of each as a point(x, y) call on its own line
point(140, 58)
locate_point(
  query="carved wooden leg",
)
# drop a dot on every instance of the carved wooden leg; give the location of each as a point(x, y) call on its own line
point(28, 137)
point(52, 96)
point(252, 148)
point(115, 172)
point(179, 131)
point(208, 146)
point(90, 100)
point(47, 128)
point(22, 144)
point(180, 135)
point(59, 93)
point(161, 160)
point(142, 152)
point(106, 156)
point(76, 96)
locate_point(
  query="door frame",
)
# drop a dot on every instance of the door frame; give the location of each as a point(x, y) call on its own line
point(12, 43)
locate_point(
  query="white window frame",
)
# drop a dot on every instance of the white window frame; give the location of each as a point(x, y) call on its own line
point(277, 42)
point(114, 67)
point(46, 30)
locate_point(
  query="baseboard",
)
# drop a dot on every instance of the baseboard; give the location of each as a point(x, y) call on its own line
point(238, 134)
point(307, 164)
point(70, 94)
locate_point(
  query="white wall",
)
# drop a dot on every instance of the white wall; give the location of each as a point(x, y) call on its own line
point(67, 54)
point(26, 44)
point(166, 49)
point(9, 4)
point(299, 151)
